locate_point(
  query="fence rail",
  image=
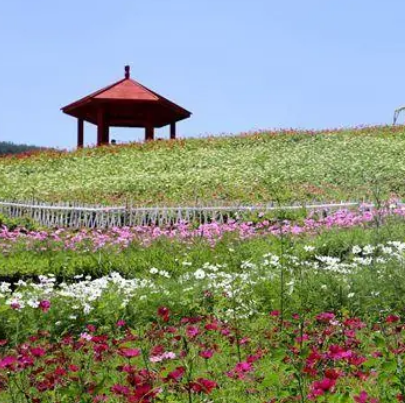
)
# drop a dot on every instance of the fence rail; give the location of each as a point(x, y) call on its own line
point(77, 216)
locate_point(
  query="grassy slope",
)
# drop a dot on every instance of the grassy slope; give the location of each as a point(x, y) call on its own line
point(286, 167)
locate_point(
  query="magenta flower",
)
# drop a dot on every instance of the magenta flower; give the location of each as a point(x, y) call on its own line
point(363, 397)
point(207, 354)
point(131, 352)
point(7, 362)
point(192, 331)
point(44, 306)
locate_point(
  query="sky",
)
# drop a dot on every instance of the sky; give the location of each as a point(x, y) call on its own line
point(238, 65)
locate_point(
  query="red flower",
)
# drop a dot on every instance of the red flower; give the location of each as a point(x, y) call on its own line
point(176, 375)
point(164, 313)
point(120, 390)
point(202, 385)
point(392, 319)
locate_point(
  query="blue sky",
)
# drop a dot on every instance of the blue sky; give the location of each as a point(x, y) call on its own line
point(238, 65)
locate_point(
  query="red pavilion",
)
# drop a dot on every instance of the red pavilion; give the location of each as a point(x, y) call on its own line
point(125, 103)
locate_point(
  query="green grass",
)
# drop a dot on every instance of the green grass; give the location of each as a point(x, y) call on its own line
point(285, 166)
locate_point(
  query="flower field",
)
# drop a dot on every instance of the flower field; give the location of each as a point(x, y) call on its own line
point(284, 330)
point(204, 359)
point(294, 306)
point(246, 312)
point(287, 166)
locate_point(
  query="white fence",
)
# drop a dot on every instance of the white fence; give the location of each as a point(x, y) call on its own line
point(76, 216)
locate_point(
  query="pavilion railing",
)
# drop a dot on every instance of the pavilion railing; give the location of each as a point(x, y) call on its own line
point(77, 216)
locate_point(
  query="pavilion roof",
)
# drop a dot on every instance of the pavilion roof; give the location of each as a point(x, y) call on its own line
point(128, 102)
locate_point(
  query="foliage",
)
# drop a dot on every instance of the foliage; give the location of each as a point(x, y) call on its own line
point(12, 224)
point(8, 148)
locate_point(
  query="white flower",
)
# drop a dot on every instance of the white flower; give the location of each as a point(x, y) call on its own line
point(368, 249)
point(5, 287)
point(199, 274)
point(350, 295)
point(33, 303)
point(309, 248)
point(87, 309)
point(21, 283)
point(356, 249)
point(153, 270)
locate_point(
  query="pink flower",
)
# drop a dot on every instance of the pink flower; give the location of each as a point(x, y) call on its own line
point(325, 317)
point(86, 336)
point(339, 353)
point(243, 366)
point(121, 323)
point(131, 352)
point(192, 331)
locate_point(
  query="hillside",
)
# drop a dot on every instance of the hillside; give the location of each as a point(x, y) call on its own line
point(285, 166)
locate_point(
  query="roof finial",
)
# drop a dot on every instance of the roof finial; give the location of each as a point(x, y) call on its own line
point(127, 71)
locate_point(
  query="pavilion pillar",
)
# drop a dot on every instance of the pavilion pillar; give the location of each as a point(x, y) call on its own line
point(101, 127)
point(106, 133)
point(80, 133)
point(173, 130)
point(149, 132)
